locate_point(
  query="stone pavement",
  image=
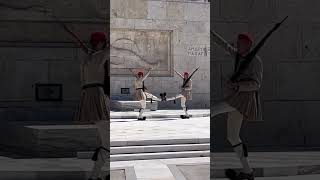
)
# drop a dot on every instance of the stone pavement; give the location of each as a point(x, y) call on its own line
point(301, 177)
point(159, 129)
point(268, 164)
point(125, 132)
point(168, 130)
point(160, 114)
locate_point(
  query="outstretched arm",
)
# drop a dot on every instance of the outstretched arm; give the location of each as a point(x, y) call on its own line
point(178, 73)
point(223, 43)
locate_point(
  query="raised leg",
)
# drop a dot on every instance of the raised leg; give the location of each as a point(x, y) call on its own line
point(178, 96)
point(152, 97)
point(220, 108)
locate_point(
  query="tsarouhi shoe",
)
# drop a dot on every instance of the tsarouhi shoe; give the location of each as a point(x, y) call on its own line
point(163, 96)
point(143, 118)
point(233, 175)
point(184, 117)
point(108, 177)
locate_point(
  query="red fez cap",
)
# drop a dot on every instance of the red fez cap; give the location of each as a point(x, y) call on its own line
point(246, 36)
point(98, 37)
point(140, 73)
point(186, 73)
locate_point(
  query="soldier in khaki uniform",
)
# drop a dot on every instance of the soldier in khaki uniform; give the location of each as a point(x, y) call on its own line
point(242, 97)
point(141, 93)
point(94, 103)
point(185, 94)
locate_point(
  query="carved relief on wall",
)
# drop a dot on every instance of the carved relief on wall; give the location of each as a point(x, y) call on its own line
point(141, 49)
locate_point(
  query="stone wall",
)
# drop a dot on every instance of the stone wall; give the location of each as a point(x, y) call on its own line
point(34, 48)
point(188, 24)
point(291, 89)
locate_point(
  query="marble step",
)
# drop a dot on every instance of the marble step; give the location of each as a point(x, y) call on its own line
point(148, 156)
point(159, 148)
point(160, 142)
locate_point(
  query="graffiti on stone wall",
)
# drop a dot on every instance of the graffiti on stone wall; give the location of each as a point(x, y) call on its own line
point(140, 49)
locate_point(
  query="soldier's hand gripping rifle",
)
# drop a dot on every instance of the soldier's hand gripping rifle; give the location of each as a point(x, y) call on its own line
point(248, 58)
point(188, 79)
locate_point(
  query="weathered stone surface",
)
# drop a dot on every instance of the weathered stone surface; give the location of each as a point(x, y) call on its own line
point(310, 43)
point(215, 80)
point(157, 10)
point(234, 10)
point(299, 81)
point(129, 9)
point(215, 9)
point(298, 10)
point(20, 76)
point(175, 10)
point(68, 8)
point(46, 32)
point(67, 74)
point(284, 43)
point(37, 54)
point(197, 12)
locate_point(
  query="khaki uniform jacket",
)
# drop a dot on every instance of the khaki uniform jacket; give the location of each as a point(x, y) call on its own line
point(92, 68)
point(138, 84)
point(186, 91)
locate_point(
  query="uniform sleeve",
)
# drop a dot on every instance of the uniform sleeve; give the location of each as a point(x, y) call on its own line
point(254, 83)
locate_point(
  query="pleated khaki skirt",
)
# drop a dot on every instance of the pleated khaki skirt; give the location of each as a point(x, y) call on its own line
point(139, 95)
point(247, 103)
point(94, 106)
point(187, 94)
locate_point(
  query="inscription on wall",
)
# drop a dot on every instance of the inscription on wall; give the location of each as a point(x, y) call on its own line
point(198, 51)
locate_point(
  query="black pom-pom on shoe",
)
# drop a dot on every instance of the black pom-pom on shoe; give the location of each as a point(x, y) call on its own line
point(231, 174)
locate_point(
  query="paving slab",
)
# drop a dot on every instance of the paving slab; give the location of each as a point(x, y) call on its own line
point(269, 164)
point(159, 114)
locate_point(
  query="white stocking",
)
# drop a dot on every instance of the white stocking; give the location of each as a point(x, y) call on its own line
point(234, 123)
point(103, 155)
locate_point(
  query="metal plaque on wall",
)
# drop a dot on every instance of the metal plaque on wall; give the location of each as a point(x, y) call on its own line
point(48, 92)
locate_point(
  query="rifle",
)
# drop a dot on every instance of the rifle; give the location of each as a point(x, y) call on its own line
point(188, 79)
point(249, 57)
